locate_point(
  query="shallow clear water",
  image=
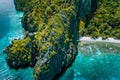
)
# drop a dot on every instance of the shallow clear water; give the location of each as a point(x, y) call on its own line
point(10, 29)
point(94, 62)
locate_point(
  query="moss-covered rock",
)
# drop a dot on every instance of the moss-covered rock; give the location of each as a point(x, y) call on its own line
point(19, 53)
point(23, 5)
point(54, 25)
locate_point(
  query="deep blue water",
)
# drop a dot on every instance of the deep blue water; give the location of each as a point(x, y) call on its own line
point(97, 65)
point(10, 29)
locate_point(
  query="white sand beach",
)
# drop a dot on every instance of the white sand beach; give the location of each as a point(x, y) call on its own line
point(99, 39)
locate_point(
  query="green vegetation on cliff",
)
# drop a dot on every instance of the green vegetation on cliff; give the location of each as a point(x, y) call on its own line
point(53, 30)
point(104, 22)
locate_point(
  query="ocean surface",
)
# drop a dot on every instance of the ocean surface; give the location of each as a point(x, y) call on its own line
point(10, 29)
point(93, 61)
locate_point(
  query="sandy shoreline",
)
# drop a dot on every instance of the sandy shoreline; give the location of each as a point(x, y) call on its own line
point(89, 39)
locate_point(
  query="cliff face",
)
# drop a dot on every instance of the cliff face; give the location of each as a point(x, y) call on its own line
point(51, 43)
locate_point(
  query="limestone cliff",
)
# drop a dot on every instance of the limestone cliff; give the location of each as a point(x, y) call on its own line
point(51, 43)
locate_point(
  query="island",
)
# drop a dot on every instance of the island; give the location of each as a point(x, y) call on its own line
point(52, 31)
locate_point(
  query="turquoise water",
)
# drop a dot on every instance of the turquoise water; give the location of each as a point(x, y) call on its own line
point(10, 29)
point(93, 62)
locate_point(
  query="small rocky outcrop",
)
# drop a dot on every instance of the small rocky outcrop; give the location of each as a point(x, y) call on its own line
point(19, 53)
